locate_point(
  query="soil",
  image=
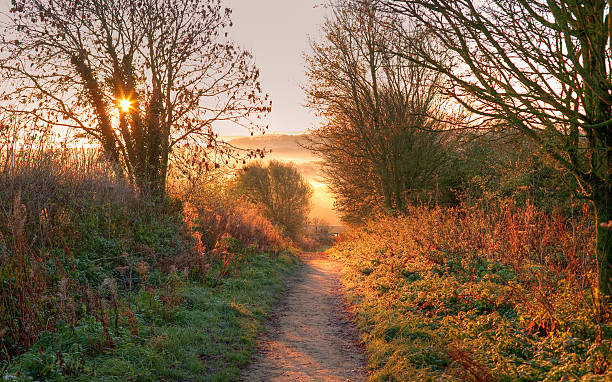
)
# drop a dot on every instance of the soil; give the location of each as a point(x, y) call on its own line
point(310, 337)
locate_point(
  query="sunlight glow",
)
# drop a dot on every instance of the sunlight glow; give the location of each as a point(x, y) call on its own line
point(125, 105)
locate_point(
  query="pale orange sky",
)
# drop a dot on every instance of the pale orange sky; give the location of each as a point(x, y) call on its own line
point(277, 32)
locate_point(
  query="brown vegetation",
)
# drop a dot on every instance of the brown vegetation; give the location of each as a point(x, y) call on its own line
point(79, 243)
point(484, 292)
point(539, 67)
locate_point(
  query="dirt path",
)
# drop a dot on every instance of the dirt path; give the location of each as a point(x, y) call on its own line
point(310, 338)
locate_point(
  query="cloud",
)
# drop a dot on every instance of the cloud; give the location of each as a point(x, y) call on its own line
point(282, 147)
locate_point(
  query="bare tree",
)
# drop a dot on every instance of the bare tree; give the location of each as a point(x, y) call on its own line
point(542, 67)
point(282, 192)
point(381, 145)
point(138, 77)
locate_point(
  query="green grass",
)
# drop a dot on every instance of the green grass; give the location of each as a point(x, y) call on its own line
point(209, 337)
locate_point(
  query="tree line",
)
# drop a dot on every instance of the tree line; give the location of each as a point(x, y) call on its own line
point(397, 80)
point(414, 90)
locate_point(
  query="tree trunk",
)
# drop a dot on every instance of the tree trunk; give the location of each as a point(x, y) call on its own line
point(593, 42)
point(603, 213)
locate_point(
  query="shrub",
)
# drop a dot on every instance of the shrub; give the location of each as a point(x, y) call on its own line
point(282, 193)
point(69, 226)
point(64, 211)
point(212, 211)
point(478, 293)
point(88, 266)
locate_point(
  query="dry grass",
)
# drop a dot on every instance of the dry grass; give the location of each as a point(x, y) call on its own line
point(490, 292)
point(47, 196)
point(88, 267)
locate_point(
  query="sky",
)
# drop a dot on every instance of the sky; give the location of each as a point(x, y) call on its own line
point(277, 33)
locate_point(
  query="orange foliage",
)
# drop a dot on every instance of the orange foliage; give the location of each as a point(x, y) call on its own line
point(526, 277)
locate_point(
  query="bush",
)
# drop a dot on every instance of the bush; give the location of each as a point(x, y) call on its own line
point(282, 193)
point(501, 165)
point(214, 215)
point(318, 236)
point(69, 225)
point(65, 218)
point(488, 292)
point(91, 270)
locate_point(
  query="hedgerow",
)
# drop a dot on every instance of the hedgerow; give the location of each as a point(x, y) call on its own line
point(99, 281)
point(485, 293)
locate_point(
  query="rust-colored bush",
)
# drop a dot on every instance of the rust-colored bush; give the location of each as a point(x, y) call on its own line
point(478, 292)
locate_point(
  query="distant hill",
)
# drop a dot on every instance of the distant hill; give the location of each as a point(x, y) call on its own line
point(283, 146)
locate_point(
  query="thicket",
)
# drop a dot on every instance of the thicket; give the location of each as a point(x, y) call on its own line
point(487, 292)
point(513, 65)
point(282, 193)
point(392, 138)
point(483, 197)
point(90, 267)
point(496, 165)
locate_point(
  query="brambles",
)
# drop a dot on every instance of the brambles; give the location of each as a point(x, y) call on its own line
point(488, 292)
point(91, 268)
point(514, 67)
point(57, 204)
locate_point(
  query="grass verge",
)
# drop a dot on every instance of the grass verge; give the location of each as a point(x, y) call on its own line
point(209, 336)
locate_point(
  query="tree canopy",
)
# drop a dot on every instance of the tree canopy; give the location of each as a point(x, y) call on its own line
point(282, 192)
point(383, 143)
point(542, 67)
point(138, 77)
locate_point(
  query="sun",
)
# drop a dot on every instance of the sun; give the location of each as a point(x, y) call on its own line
point(125, 105)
